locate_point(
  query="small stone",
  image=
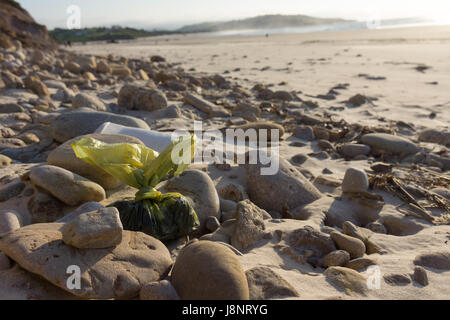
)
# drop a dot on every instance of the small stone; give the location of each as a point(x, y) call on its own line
point(103, 67)
point(9, 221)
point(157, 58)
point(283, 95)
point(307, 238)
point(353, 150)
point(354, 246)
point(10, 108)
point(360, 263)
point(133, 97)
point(304, 132)
point(436, 136)
point(357, 100)
point(397, 279)
point(207, 107)
point(94, 230)
point(380, 167)
point(162, 290)
point(212, 223)
point(390, 143)
point(338, 258)
point(327, 181)
point(299, 159)
point(348, 279)
point(264, 283)
point(249, 225)
point(325, 145)
point(436, 260)
point(351, 230)
point(355, 180)
point(73, 67)
point(83, 100)
point(121, 71)
point(4, 160)
point(420, 276)
point(67, 186)
point(377, 227)
point(232, 191)
point(37, 86)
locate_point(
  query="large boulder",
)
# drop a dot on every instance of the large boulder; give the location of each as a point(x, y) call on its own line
point(117, 272)
point(64, 157)
point(74, 124)
point(205, 270)
point(287, 189)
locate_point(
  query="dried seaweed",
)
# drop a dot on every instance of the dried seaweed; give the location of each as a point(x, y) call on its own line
point(420, 178)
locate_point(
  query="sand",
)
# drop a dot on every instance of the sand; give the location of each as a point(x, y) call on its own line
point(380, 64)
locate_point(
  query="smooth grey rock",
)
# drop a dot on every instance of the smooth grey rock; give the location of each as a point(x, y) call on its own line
point(390, 143)
point(352, 150)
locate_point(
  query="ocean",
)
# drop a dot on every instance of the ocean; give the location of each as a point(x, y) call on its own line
point(357, 25)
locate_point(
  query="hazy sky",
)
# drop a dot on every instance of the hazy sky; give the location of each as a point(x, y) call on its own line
point(174, 13)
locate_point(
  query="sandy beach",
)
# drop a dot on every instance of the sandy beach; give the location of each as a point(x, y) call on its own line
point(359, 208)
point(314, 63)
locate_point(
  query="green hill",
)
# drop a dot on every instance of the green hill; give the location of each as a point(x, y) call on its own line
point(103, 34)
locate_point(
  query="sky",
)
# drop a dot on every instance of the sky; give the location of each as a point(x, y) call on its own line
point(175, 13)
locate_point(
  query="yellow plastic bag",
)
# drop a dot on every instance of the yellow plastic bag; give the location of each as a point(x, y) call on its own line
point(164, 216)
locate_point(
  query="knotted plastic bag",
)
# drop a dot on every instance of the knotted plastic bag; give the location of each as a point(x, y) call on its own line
point(163, 216)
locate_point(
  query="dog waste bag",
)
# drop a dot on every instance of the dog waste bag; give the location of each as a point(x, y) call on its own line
point(163, 216)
